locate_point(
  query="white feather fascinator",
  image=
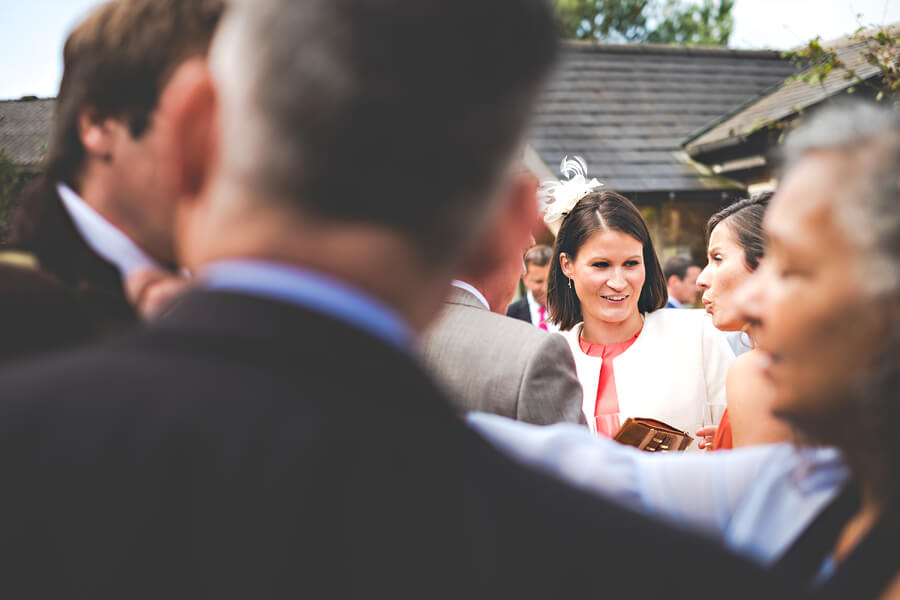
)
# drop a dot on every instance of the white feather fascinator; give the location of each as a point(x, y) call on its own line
point(560, 197)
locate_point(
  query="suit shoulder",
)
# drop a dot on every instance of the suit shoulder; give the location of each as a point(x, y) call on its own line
point(518, 306)
point(477, 333)
point(677, 320)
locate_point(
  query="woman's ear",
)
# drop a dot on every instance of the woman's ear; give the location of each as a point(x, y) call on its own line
point(565, 264)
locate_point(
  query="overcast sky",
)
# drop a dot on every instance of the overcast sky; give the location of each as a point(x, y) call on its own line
point(32, 32)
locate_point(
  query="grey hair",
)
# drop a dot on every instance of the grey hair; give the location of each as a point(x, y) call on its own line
point(869, 203)
point(373, 112)
point(253, 149)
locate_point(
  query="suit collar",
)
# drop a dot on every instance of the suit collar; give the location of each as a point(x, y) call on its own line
point(464, 297)
point(313, 290)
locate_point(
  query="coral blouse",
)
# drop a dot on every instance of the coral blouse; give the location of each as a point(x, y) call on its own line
point(607, 399)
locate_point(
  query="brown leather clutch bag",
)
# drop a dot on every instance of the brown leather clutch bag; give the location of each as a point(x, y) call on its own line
point(651, 435)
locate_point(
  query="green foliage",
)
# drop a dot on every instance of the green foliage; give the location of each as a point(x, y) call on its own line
point(879, 47)
point(662, 21)
point(707, 24)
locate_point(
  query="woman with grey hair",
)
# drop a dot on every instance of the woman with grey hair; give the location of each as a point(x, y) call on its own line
point(825, 310)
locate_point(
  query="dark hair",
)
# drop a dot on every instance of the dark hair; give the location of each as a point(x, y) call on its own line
point(601, 211)
point(678, 266)
point(118, 61)
point(539, 255)
point(387, 85)
point(745, 218)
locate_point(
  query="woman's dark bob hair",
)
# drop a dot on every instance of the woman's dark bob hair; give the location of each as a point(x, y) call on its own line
point(601, 211)
point(745, 218)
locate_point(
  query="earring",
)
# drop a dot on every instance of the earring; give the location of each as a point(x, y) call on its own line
point(570, 283)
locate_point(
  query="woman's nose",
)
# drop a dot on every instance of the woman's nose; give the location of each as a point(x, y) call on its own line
point(703, 278)
point(617, 280)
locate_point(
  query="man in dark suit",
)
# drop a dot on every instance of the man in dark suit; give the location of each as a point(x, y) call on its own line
point(532, 307)
point(99, 213)
point(274, 434)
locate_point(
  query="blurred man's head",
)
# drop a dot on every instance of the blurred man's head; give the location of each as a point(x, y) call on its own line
point(370, 117)
point(495, 265)
point(537, 270)
point(681, 274)
point(105, 140)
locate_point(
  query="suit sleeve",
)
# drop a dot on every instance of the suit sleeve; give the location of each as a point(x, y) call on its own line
point(700, 490)
point(550, 391)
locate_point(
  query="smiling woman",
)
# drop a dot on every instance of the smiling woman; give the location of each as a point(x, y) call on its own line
point(633, 359)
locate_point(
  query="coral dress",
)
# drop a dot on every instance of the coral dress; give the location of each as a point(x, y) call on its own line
point(722, 439)
point(607, 400)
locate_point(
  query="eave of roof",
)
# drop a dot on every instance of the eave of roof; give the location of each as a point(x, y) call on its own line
point(782, 100)
point(25, 129)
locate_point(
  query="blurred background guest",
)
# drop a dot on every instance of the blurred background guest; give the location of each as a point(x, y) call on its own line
point(681, 281)
point(606, 287)
point(101, 210)
point(532, 307)
point(492, 363)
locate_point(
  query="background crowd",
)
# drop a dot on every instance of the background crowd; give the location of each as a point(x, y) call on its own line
point(240, 362)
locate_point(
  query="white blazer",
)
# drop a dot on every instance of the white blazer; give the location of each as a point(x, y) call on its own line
point(676, 365)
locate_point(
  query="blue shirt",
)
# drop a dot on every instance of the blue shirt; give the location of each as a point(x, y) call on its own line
point(310, 290)
point(755, 500)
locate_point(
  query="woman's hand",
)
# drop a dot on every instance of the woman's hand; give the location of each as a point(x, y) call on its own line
point(705, 436)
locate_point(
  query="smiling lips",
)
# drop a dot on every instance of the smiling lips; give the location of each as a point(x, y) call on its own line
point(615, 299)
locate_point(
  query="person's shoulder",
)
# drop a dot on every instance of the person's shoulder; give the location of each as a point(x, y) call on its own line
point(518, 306)
point(744, 367)
point(479, 330)
point(77, 376)
point(676, 319)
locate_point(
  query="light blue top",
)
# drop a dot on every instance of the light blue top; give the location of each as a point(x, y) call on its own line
point(311, 290)
point(754, 500)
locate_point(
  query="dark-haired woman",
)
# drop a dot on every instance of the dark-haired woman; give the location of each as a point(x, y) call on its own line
point(605, 290)
point(736, 245)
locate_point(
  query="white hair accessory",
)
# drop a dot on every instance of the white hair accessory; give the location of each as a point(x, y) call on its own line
point(560, 197)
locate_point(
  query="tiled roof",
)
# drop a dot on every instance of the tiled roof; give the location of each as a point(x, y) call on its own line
point(786, 99)
point(627, 109)
point(25, 130)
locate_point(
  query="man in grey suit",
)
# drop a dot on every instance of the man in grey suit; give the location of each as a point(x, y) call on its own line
point(488, 361)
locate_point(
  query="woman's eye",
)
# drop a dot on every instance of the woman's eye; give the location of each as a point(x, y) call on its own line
point(716, 258)
point(631, 263)
point(600, 265)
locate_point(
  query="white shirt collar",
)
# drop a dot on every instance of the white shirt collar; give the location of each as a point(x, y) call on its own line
point(472, 290)
point(103, 237)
